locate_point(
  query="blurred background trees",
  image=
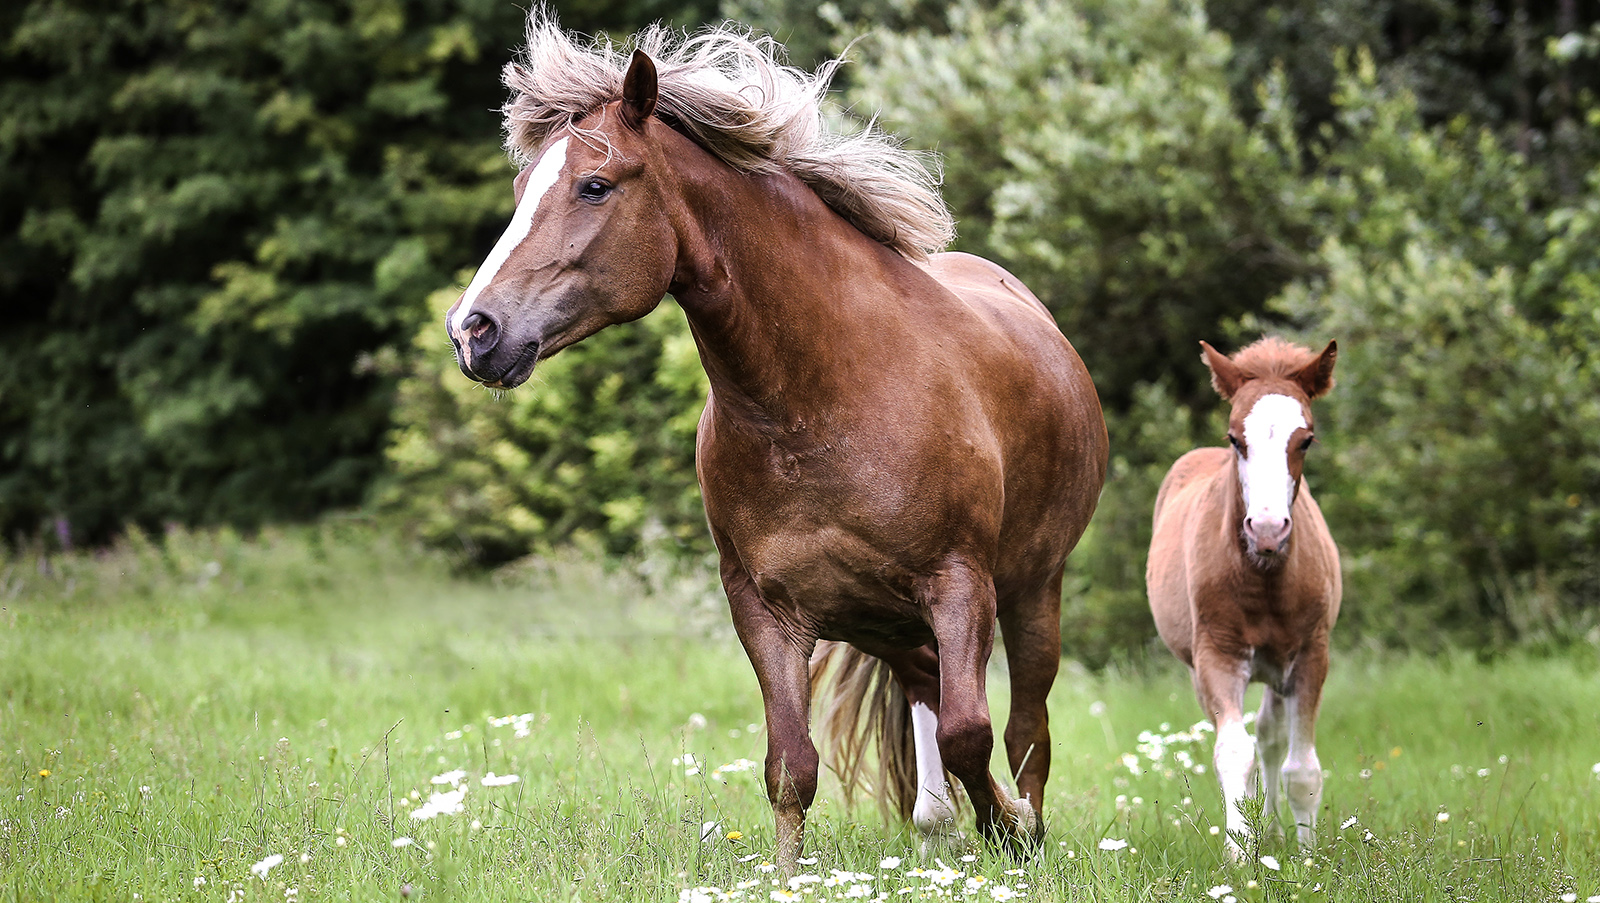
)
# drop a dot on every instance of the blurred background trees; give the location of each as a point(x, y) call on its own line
point(227, 231)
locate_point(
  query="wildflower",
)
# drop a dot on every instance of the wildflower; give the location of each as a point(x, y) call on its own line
point(766, 868)
point(1347, 823)
point(261, 868)
point(199, 881)
point(969, 858)
point(1001, 892)
point(1483, 772)
point(1595, 769)
point(697, 722)
point(1271, 862)
point(707, 829)
point(1014, 872)
point(807, 860)
point(305, 858)
point(1569, 897)
point(447, 802)
point(1215, 830)
point(450, 777)
point(751, 858)
point(1217, 892)
point(889, 862)
point(401, 842)
point(1442, 817)
point(799, 881)
point(1107, 843)
point(45, 772)
point(493, 780)
point(735, 835)
point(339, 841)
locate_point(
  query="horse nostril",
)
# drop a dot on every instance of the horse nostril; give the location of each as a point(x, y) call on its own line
point(475, 324)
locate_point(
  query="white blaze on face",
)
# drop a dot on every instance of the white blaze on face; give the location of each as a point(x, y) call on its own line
point(1264, 471)
point(544, 175)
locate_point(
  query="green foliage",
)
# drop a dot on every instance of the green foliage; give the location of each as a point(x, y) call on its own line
point(214, 217)
point(1460, 474)
point(214, 214)
point(1092, 148)
point(1104, 612)
point(598, 448)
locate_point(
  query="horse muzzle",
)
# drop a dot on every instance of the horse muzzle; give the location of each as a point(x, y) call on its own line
point(1267, 537)
point(486, 357)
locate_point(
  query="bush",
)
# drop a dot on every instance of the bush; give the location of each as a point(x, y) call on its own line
point(1460, 474)
point(597, 448)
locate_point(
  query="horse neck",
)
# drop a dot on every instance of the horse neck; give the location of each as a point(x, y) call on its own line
point(772, 326)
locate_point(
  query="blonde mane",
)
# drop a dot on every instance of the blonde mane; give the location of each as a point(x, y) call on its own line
point(1272, 357)
point(734, 96)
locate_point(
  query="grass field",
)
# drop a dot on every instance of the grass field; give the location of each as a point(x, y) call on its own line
point(177, 715)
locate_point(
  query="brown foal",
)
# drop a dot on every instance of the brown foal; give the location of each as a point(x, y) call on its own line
point(897, 450)
point(1243, 578)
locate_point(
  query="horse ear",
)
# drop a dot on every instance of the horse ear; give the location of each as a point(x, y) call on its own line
point(520, 184)
point(1316, 378)
point(1226, 377)
point(639, 91)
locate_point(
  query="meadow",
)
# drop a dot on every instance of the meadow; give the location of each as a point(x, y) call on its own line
point(329, 713)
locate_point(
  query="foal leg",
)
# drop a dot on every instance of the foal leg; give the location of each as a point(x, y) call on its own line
point(1032, 631)
point(1302, 772)
point(782, 665)
point(1220, 682)
point(1272, 738)
point(961, 606)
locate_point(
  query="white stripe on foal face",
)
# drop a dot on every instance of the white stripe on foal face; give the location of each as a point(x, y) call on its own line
point(544, 175)
point(1264, 471)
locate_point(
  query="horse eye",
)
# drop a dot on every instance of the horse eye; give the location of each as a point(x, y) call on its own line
point(1237, 445)
point(1307, 444)
point(594, 190)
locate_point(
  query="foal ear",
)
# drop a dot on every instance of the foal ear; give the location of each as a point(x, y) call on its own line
point(1316, 378)
point(639, 91)
point(1226, 377)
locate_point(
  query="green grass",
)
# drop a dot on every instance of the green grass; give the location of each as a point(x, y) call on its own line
point(182, 709)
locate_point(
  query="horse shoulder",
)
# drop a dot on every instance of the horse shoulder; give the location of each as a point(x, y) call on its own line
point(1324, 559)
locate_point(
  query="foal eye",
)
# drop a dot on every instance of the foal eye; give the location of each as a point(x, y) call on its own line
point(1237, 445)
point(1307, 443)
point(594, 190)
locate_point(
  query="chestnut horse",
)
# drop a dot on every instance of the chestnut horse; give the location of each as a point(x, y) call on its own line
point(1244, 580)
point(897, 449)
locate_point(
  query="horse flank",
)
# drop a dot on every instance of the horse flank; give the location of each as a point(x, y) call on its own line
point(733, 95)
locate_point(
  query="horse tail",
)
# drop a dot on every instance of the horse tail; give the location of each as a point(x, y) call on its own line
point(858, 705)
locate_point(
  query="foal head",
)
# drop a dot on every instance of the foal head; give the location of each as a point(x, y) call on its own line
point(1270, 384)
point(589, 245)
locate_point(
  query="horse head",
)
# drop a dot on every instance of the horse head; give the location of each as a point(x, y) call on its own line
point(1270, 385)
point(588, 247)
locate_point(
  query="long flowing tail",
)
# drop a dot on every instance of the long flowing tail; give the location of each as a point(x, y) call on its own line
point(858, 704)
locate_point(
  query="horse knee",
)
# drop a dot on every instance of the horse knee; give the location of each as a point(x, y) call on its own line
point(965, 744)
point(1234, 758)
point(1302, 784)
point(792, 776)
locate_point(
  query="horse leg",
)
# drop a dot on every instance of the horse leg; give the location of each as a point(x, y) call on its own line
point(1220, 682)
point(1302, 772)
point(782, 666)
point(961, 606)
point(917, 671)
point(1032, 631)
point(1272, 738)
